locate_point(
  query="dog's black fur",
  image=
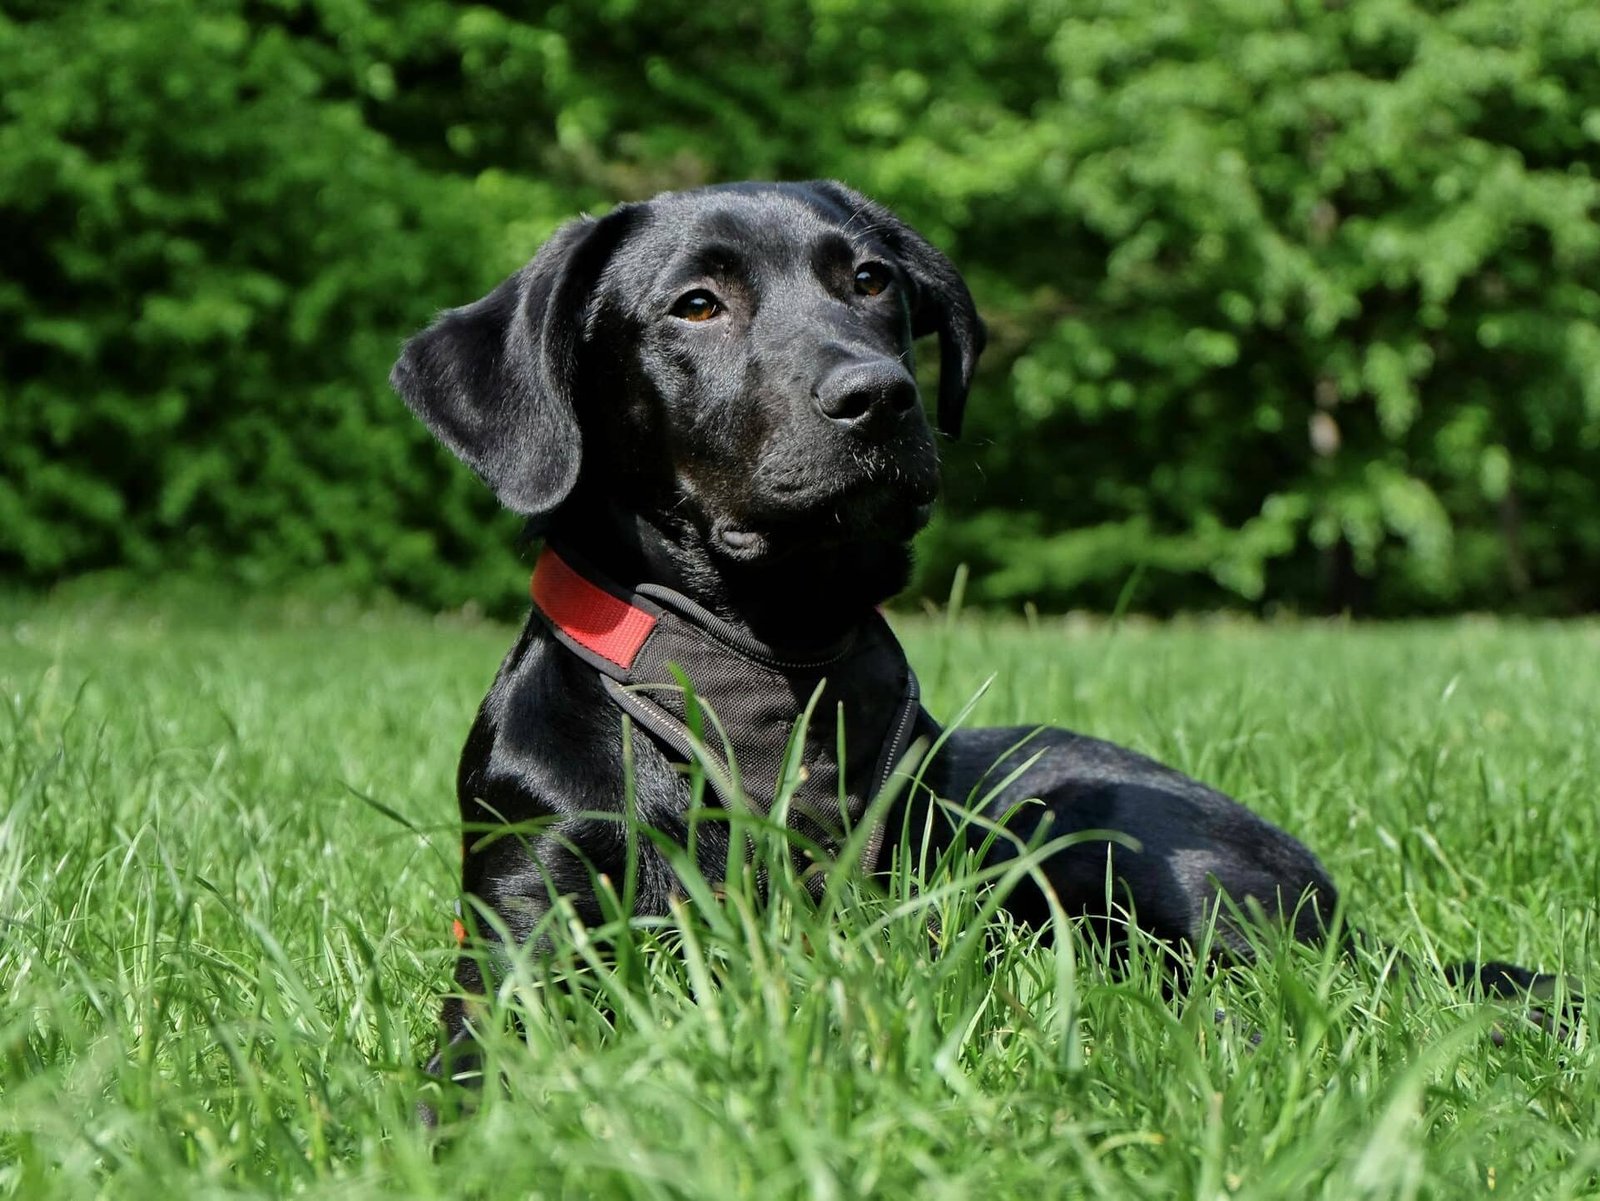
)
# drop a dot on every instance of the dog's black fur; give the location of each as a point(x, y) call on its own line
point(713, 391)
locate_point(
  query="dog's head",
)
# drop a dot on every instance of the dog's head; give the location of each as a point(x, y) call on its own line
point(733, 364)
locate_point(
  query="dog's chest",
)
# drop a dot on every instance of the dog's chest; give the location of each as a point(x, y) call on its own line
point(817, 734)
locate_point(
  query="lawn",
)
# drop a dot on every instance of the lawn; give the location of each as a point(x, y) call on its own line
point(227, 855)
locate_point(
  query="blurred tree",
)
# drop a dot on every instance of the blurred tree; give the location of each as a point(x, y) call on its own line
point(209, 263)
point(1336, 336)
point(1291, 302)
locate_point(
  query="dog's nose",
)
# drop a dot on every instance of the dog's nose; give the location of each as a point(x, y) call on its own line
point(862, 394)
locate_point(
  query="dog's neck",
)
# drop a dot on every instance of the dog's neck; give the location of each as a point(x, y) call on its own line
point(798, 600)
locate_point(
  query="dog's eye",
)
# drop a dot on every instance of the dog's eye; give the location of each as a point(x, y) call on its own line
point(871, 278)
point(698, 305)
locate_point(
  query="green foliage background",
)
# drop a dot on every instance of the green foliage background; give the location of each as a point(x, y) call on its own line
point(1292, 303)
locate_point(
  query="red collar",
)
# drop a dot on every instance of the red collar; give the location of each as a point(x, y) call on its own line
point(592, 616)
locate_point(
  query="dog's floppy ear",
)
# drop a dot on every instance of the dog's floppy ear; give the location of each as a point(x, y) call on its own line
point(940, 302)
point(494, 380)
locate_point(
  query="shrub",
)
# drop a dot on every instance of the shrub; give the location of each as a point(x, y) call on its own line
point(1291, 302)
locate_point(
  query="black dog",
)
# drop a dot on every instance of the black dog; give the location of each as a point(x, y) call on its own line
point(705, 405)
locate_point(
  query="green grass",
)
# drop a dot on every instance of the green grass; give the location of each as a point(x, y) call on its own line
point(221, 963)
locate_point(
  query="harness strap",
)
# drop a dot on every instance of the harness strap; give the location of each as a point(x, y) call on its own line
point(867, 696)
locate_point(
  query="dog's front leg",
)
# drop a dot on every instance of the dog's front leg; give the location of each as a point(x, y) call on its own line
point(543, 785)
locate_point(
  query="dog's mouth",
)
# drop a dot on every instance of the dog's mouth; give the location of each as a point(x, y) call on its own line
point(863, 513)
point(750, 544)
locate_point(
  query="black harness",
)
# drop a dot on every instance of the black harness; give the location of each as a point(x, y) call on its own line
point(861, 695)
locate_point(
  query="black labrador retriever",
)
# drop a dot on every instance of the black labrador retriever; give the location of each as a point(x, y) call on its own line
point(705, 406)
